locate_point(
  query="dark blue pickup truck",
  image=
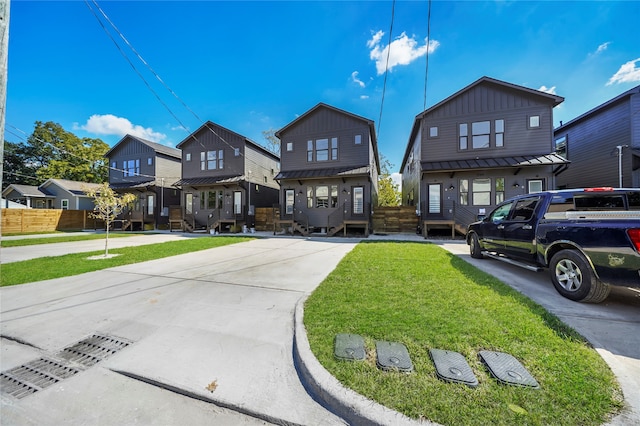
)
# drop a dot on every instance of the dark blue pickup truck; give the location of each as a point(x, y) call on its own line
point(588, 238)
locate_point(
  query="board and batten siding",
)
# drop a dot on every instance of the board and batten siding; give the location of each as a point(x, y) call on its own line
point(263, 167)
point(326, 123)
point(206, 140)
point(132, 150)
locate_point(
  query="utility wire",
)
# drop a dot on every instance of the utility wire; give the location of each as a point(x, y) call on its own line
point(386, 67)
point(426, 70)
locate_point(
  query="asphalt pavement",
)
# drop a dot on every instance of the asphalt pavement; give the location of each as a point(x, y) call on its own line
point(217, 336)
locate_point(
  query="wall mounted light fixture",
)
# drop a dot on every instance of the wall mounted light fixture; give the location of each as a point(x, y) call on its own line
point(451, 188)
point(516, 185)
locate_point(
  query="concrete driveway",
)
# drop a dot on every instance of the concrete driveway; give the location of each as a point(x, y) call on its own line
point(612, 327)
point(215, 325)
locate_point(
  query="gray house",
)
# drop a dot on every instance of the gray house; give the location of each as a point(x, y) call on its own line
point(490, 141)
point(329, 172)
point(603, 144)
point(52, 194)
point(147, 170)
point(225, 176)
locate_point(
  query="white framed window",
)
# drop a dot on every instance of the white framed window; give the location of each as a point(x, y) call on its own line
point(289, 146)
point(480, 132)
point(188, 156)
point(433, 132)
point(64, 204)
point(358, 139)
point(534, 121)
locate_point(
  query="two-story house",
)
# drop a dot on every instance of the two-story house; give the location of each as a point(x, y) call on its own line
point(225, 176)
point(147, 170)
point(329, 172)
point(603, 144)
point(485, 143)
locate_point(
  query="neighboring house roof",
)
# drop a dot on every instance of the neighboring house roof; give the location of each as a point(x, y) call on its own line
point(25, 191)
point(209, 180)
point(159, 148)
point(323, 173)
point(210, 124)
point(73, 187)
point(489, 163)
point(599, 108)
point(553, 100)
point(370, 123)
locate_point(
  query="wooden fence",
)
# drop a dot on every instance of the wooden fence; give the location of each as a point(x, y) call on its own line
point(395, 220)
point(46, 220)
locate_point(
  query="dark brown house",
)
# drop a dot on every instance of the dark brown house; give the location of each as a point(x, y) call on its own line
point(225, 176)
point(147, 170)
point(490, 141)
point(329, 172)
point(602, 144)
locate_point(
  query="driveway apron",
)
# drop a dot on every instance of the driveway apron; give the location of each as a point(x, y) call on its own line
point(215, 325)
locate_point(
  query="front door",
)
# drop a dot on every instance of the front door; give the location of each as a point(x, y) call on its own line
point(434, 197)
point(237, 202)
point(188, 203)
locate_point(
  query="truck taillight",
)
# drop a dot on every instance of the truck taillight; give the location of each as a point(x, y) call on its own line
point(634, 234)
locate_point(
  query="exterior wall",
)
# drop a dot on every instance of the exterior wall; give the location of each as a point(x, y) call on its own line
point(326, 123)
point(132, 150)
point(411, 174)
point(261, 169)
point(591, 146)
point(206, 140)
point(167, 168)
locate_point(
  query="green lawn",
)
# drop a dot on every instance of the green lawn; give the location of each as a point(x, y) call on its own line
point(45, 268)
point(425, 297)
point(63, 238)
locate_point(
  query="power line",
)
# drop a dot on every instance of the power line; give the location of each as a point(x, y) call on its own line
point(386, 67)
point(426, 70)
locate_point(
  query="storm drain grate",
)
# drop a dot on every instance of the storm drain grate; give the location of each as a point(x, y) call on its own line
point(393, 356)
point(507, 369)
point(452, 367)
point(94, 349)
point(349, 347)
point(34, 376)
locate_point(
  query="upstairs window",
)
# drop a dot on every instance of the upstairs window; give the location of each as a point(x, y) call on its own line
point(203, 163)
point(464, 135)
point(131, 167)
point(534, 121)
point(215, 160)
point(433, 132)
point(236, 152)
point(499, 129)
point(480, 134)
point(322, 150)
point(358, 140)
point(334, 148)
point(149, 161)
point(289, 146)
point(188, 156)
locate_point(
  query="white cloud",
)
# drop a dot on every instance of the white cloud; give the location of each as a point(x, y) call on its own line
point(364, 96)
point(403, 50)
point(602, 48)
point(549, 90)
point(627, 73)
point(109, 124)
point(355, 79)
point(181, 128)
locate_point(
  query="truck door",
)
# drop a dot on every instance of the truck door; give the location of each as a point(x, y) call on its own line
point(520, 229)
point(493, 228)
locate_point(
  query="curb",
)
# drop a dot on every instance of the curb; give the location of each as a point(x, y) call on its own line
point(354, 408)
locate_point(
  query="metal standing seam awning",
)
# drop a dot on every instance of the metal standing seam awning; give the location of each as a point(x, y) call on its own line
point(133, 185)
point(210, 180)
point(498, 162)
point(324, 173)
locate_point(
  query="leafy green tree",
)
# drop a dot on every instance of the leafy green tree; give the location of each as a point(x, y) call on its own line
point(108, 205)
point(273, 143)
point(388, 192)
point(16, 166)
point(60, 154)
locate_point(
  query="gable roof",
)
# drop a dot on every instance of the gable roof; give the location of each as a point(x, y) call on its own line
point(554, 100)
point(159, 148)
point(209, 124)
point(601, 107)
point(71, 186)
point(25, 190)
point(370, 123)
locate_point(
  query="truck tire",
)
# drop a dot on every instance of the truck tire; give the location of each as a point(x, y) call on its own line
point(474, 247)
point(574, 278)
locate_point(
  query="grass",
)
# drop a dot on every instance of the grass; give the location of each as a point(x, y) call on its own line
point(424, 297)
point(45, 268)
point(62, 238)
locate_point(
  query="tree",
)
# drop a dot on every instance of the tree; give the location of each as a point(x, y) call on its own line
point(273, 143)
point(108, 205)
point(16, 168)
point(388, 192)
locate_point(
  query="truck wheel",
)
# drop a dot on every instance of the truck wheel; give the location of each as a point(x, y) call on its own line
point(474, 247)
point(573, 277)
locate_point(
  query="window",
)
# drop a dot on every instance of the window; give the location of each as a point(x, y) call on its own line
point(333, 200)
point(535, 185)
point(188, 203)
point(203, 164)
point(211, 200)
point(561, 146)
point(131, 167)
point(499, 190)
point(523, 210)
point(237, 202)
point(499, 129)
point(358, 200)
point(309, 197)
point(188, 156)
point(480, 134)
point(534, 121)
point(322, 197)
point(435, 198)
point(289, 146)
point(433, 132)
point(358, 139)
point(464, 134)
point(149, 161)
point(202, 199)
point(113, 165)
point(150, 205)
point(334, 148)
point(464, 192)
point(236, 152)
point(288, 201)
point(309, 150)
point(220, 199)
point(212, 160)
point(500, 213)
point(220, 159)
point(64, 204)
point(322, 149)
point(481, 189)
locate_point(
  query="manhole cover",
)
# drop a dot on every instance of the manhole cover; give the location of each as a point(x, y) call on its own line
point(507, 370)
point(93, 349)
point(393, 356)
point(349, 347)
point(34, 376)
point(452, 367)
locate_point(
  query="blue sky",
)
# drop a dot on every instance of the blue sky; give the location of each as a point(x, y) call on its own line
point(253, 66)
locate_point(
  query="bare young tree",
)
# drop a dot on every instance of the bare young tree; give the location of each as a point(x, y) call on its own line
point(108, 205)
